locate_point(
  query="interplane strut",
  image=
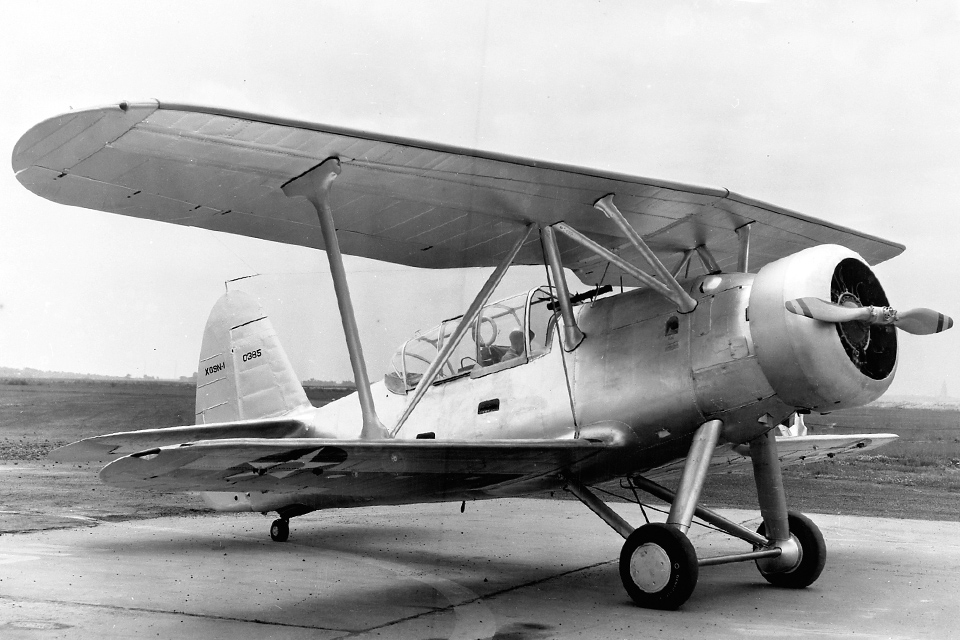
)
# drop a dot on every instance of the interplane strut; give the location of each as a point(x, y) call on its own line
point(314, 185)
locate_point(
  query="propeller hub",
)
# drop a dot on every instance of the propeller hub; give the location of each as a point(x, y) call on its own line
point(855, 334)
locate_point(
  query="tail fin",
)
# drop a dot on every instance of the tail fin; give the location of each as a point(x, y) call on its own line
point(243, 373)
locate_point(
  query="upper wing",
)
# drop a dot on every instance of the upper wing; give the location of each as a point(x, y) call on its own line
point(405, 201)
point(418, 469)
point(792, 450)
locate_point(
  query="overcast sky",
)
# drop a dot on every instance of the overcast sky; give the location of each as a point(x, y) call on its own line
point(848, 112)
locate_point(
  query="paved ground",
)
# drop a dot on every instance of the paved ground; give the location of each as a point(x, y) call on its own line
point(512, 570)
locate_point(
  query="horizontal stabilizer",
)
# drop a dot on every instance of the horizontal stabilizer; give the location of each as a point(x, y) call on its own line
point(115, 445)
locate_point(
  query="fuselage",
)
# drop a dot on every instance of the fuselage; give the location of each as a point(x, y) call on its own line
point(643, 367)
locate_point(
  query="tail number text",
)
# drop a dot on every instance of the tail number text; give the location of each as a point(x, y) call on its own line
point(215, 368)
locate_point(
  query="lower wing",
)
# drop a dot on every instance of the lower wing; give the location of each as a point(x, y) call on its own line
point(792, 450)
point(360, 468)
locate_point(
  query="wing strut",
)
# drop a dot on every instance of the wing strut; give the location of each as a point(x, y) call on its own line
point(609, 256)
point(430, 375)
point(710, 264)
point(743, 253)
point(682, 264)
point(571, 331)
point(685, 303)
point(314, 185)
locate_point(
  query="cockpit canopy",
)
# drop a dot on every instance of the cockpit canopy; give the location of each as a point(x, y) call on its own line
point(506, 333)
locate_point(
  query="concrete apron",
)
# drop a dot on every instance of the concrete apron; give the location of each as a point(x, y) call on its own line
point(523, 569)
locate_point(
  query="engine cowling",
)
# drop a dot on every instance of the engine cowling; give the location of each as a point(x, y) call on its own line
point(821, 366)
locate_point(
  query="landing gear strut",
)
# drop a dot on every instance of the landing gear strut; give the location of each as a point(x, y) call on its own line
point(658, 564)
point(280, 530)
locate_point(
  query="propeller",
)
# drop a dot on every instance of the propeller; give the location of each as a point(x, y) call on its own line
point(919, 321)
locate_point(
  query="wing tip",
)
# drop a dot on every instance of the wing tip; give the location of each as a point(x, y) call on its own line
point(84, 451)
point(40, 141)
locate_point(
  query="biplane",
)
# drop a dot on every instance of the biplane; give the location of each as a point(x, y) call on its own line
point(685, 370)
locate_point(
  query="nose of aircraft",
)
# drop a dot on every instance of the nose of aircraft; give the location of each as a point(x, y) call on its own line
point(831, 357)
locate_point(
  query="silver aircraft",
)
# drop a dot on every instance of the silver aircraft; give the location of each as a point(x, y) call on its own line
point(763, 313)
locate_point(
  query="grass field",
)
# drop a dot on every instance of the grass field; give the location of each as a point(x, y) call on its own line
point(917, 477)
point(39, 415)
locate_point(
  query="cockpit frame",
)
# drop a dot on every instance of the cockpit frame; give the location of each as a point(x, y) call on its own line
point(485, 345)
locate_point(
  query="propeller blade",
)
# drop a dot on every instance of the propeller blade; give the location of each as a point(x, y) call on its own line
point(922, 321)
point(826, 311)
point(916, 321)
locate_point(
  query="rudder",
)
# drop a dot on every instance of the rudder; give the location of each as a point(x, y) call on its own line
point(244, 373)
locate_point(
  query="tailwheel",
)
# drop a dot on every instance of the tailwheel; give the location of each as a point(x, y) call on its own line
point(658, 566)
point(813, 555)
point(280, 530)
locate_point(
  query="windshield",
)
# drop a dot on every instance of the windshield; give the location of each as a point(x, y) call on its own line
point(496, 336)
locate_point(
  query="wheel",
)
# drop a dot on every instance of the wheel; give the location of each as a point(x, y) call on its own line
point(813, 554)
point(658, 566)
point(280, 530)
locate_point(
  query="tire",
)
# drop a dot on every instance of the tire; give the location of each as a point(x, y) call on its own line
point(658, 566)
point(813, 554)
point(280, 530)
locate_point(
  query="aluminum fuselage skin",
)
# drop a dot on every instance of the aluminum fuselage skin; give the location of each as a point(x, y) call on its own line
point(644, 369)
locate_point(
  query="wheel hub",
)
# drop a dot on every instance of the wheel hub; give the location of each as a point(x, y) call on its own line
point(650, 568)
point(788, 560)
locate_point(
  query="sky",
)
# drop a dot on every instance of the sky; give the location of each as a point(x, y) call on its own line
point(848, 112)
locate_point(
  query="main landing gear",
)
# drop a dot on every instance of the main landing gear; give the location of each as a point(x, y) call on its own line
point(813, 555)
point(658, 564)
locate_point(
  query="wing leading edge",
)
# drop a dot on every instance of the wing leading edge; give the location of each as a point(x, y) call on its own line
point(411, 202)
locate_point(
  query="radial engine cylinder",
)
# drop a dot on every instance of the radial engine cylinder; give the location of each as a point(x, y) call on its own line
point(818, 365)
